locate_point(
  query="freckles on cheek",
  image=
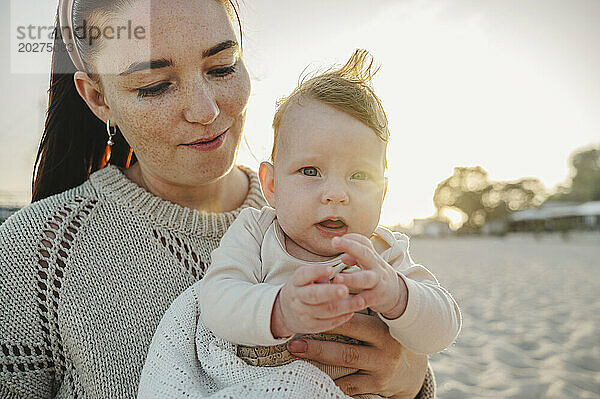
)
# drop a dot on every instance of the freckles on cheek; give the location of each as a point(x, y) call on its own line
point(147, 128)
point(237, 95)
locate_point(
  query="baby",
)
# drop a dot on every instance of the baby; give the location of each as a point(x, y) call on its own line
point(317, 255)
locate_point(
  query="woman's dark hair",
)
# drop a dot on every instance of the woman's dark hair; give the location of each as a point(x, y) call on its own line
point(74, 139)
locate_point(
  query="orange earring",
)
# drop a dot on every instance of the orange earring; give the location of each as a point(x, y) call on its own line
point(129, 156)
point(109, 144)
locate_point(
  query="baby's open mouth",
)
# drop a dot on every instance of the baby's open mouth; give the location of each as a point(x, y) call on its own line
point(332, 224)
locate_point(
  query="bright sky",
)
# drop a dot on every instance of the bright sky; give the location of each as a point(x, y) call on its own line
point(510, 85)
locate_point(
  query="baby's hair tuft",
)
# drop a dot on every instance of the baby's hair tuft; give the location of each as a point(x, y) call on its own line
point(347, 88)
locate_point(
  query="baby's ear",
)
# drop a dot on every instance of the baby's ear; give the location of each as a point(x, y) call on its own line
point(267, 182)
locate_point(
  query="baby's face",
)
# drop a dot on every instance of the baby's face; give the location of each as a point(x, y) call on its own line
point(328, 176)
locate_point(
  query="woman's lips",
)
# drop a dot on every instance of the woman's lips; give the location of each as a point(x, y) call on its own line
point(208, 145)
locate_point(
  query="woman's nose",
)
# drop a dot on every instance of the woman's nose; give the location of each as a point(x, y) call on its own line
point(202, 107)
point(335, 194)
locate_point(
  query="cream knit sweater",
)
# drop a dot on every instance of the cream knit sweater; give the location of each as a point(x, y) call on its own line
point(86, 277)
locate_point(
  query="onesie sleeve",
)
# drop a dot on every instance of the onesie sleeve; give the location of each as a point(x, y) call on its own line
point(432, 319)
point(234, 302)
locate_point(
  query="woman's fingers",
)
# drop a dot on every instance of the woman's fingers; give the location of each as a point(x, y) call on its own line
point(308, 274)
point(357, 383)
point(395, 371)
point(334, 353)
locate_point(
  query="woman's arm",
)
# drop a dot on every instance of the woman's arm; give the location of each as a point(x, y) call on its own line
point(387, 368)
point(26, 358)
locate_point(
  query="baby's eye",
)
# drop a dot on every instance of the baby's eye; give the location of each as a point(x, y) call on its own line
point(360, 176)
point(309, 171)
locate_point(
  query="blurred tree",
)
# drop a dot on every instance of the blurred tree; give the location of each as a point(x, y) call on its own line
point(481, 200)
point(463, 190)
point(585, 181)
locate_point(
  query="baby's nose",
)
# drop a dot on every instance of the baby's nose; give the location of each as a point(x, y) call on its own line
point(335, 194)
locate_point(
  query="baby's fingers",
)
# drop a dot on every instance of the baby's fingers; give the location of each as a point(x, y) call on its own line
point(308, 274)
point(316, 294)
point(338, 308)
point(362, 252)
point(349, 260)
point(362, 280)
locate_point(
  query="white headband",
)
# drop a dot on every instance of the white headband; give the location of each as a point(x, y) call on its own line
point(65, 15)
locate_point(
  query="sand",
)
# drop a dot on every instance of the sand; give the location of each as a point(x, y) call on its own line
point(531, 316)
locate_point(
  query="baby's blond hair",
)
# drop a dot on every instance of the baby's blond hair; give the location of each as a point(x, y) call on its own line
point(347, 89)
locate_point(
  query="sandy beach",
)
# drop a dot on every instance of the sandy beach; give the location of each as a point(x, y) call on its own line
point(531, 316)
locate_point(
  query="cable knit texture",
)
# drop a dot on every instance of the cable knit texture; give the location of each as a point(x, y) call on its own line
point(87, 275)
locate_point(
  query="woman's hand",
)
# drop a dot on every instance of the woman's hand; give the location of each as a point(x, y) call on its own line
point(386, 367)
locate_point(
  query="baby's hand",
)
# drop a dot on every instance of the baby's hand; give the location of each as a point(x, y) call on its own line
point(381, 287)
point(305, 306)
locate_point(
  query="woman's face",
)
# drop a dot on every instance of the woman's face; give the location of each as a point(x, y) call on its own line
point(179, 96)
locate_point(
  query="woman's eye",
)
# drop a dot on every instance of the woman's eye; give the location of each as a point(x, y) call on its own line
point(153, 91)
point(222, 72)
point(309, 171)
point(360, 176)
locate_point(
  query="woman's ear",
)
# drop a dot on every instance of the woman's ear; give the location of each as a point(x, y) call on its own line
point(267, 182)
point(91, 94)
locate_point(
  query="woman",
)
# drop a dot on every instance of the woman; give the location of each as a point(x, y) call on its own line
point(91, 266)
